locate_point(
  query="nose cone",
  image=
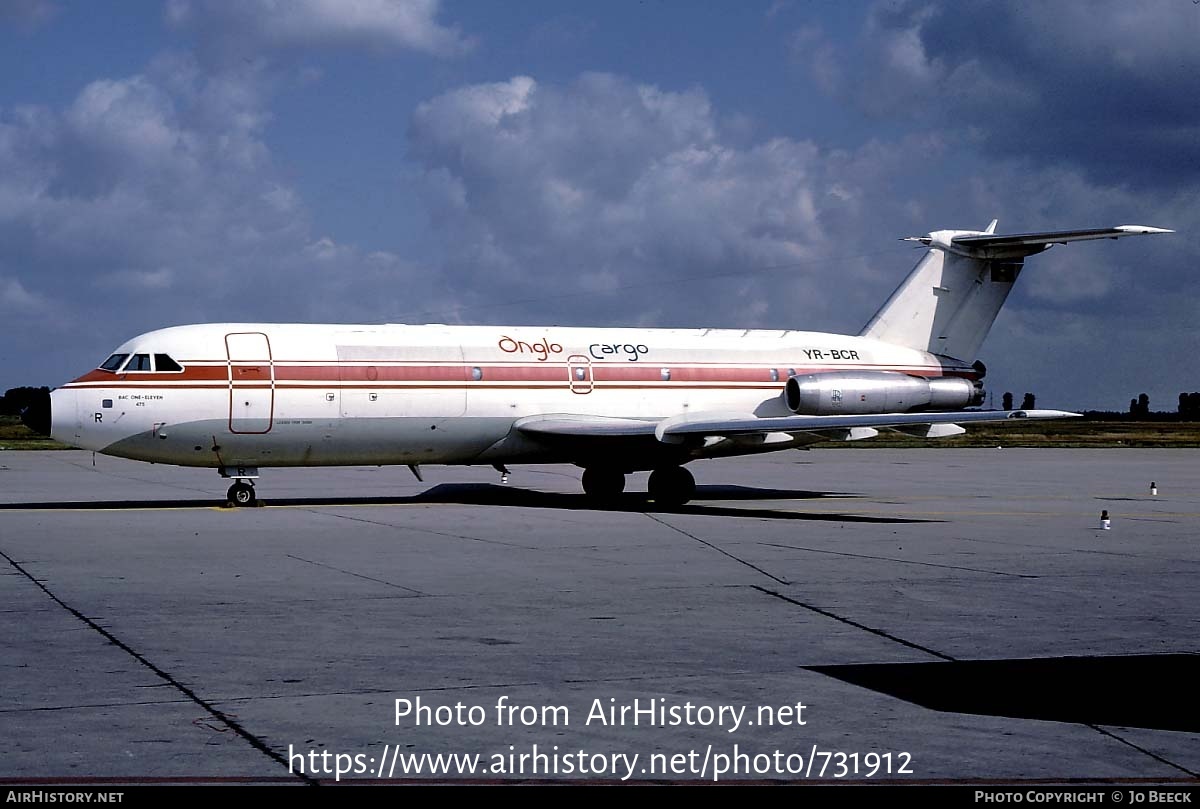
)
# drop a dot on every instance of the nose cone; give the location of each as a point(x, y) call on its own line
point(36, 415)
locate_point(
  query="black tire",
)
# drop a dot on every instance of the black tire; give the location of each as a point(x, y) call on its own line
point(242, 494)
point(603, 484)
point(671, 486)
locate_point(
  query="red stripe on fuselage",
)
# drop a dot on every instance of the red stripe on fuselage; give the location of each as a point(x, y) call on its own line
point(436, 375)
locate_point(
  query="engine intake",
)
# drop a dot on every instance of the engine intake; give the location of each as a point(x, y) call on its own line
point(865, 392)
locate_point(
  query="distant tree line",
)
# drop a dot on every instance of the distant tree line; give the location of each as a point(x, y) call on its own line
point(1027, 403)
point(1139, 408)
point(1188, 410)
point(15, 400)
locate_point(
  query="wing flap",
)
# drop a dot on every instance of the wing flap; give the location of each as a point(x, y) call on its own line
point(929, 430)
point(843, 434)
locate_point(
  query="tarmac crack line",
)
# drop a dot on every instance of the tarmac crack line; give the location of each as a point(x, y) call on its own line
point(855, 624)
point(1075, 550)
point(255, 742)
point(418, 530)
point(1140, 749)
point(900, 561)
point(358, 575)
point(45, 708)
point(110, 474)
point(721, 551)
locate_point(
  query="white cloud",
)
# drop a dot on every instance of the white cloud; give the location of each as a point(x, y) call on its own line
point(1082, 83)
point(132, 118)
point(605, 184)
point(159, 279)
point(16, 299)
point(379, 24)
point(810, 48)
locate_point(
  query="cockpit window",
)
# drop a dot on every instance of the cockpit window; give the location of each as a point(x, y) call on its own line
point(113, 362)
point(141, 363)
point(162, 362)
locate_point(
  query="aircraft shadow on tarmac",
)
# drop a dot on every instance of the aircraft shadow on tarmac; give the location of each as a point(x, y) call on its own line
point(488, 494)
point(1145, 691)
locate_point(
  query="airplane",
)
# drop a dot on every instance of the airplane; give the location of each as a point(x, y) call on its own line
point(240, 397)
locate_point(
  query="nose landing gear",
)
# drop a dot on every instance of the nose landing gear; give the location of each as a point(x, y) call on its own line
point(242, 494)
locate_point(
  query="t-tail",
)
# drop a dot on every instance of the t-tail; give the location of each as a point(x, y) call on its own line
point(949, 301)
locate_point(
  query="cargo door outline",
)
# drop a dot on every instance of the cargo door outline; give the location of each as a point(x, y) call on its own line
point(579, 374)
point(251, 382)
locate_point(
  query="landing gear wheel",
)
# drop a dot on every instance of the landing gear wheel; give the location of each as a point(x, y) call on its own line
point(603, 484)
point(242, 494)
point(671, 486)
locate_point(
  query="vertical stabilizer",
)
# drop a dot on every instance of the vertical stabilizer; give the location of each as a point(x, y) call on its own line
point(948, 303)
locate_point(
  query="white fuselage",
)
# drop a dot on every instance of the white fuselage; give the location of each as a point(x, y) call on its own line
point(309, 395)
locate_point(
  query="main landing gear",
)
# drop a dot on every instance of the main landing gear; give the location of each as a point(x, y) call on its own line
point(671, 486)
point(603, 484)
point(668, 486)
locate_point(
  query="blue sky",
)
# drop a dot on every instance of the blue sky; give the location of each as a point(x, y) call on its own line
point(625, 163)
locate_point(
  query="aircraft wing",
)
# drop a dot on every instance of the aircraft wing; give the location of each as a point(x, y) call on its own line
point(678, 428)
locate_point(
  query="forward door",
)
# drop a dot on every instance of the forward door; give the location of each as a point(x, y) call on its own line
point(251, 382)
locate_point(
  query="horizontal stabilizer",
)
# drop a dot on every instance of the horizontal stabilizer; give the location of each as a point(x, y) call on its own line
point(1056, 236)
point(1019, 245)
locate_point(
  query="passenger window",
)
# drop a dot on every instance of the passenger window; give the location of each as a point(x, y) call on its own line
point(162, 362)
point(140, 362)
point(113, 362)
